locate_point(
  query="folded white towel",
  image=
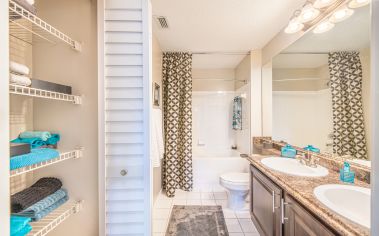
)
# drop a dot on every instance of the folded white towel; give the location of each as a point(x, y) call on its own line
point(156, 138)
point(20, 80)
point(19, 68)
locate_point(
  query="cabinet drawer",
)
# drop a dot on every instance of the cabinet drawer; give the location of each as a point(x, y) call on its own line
point(299, 222)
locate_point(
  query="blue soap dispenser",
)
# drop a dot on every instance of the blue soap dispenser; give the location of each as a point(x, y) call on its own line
point(346, 174)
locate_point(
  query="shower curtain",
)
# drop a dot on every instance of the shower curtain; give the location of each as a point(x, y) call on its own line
point(346, 86)
point(177, 109)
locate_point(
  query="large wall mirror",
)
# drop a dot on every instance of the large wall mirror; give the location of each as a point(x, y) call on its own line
point(321, 90)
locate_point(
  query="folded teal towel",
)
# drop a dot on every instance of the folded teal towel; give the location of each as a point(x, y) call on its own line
point(51, 208)
point(18, 223)
point(44, 135)
point(38, 142)
point(34, 157)
point(42, 205)
point(24, 231)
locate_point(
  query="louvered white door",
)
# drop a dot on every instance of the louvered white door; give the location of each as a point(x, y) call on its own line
point(126, 94)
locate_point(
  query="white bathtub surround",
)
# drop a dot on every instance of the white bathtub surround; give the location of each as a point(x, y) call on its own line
point(242, 137)
point(212, 122)
point(237, 185)
point(207, 169)
point(238, 222)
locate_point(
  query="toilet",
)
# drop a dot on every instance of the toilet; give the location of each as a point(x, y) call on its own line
point(237, 185)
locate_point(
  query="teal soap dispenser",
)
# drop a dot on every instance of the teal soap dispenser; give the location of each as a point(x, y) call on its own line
point(346, 174)
point(288, 151)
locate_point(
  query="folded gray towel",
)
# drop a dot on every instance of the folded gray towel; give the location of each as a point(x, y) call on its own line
point(38, 191)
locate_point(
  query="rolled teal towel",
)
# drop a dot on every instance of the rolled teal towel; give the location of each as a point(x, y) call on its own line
point(53, 140)
point(18, 223)
point(42, 205)
point(34, 157)
point(51, 208)
point(44, 135)
point(24, 231)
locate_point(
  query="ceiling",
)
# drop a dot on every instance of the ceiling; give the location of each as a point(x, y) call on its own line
point(220, 25)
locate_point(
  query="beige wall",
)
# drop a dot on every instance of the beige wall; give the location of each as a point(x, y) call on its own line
point(366, 94)
point(206, 79)
point(157, 78)
point(77, 124)
point(243, 72)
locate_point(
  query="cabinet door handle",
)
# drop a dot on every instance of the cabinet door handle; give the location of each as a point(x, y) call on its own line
point(283, 203)
point(273, 202)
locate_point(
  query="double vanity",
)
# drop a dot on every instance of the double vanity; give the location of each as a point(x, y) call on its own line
point(292, 199)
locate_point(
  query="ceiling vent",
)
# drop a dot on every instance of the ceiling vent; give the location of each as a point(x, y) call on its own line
point(162, 22)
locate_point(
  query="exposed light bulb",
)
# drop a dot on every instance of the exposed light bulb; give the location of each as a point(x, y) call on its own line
point(323, 27)
point(358, 3)
point(308, 13)
point(341, 15)
point(323, 3)
point(294, 26)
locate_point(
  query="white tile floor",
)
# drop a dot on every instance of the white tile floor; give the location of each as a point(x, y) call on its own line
point(238, 222)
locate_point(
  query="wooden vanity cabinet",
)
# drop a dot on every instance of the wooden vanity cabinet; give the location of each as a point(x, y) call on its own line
point(299, 222)
point(276, 213)
point(265, 204)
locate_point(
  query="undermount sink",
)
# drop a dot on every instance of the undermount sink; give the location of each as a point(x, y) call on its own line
point(352, 202)
point(294, 167)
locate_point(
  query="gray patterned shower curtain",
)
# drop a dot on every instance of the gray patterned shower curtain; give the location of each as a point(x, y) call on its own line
point(177, 113)
point(346, 86)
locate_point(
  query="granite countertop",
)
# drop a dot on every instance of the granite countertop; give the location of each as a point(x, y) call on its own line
point(301, 189)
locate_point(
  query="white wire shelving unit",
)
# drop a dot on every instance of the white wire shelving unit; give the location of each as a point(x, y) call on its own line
point(74, 154)
point(40, 93)
point(56, 217)
point(24, 24)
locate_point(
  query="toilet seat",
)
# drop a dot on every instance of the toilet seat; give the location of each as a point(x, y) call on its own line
point(236, 178)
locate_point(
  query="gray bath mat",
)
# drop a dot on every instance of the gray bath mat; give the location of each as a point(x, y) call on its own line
point(197, 221)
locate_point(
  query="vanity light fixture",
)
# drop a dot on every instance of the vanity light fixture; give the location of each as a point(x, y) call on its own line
point(294, 25)
point(323, 27)
point(324, 3)
point(308, 13)
point(358, 3)
point(341, 14)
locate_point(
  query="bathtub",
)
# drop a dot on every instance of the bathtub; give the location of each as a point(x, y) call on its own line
point(207, 168)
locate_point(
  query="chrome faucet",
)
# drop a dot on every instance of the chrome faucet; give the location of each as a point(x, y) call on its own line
point(308, 159)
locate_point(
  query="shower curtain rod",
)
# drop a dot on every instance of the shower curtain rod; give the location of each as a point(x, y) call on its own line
point(220, 53)
point(238, 80)
point(315, 53)
point(217, 53)
point(304, 79)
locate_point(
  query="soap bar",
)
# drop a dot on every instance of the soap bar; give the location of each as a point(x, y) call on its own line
point(288, 151)
point(17, 149)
